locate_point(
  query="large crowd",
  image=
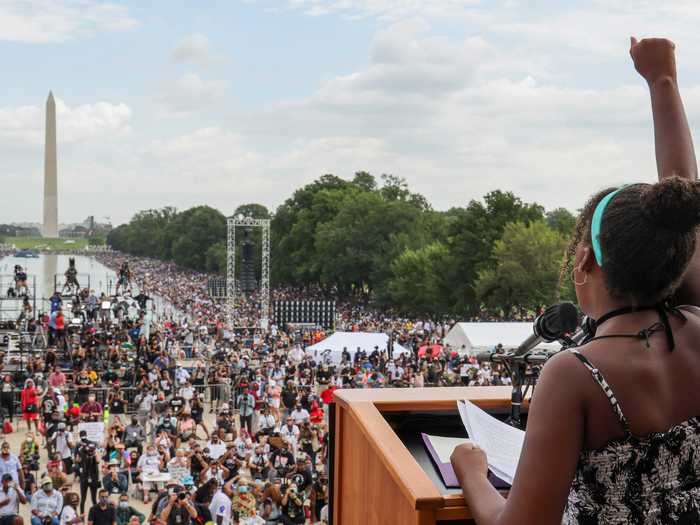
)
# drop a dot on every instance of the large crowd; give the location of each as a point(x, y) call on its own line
point(184, 417)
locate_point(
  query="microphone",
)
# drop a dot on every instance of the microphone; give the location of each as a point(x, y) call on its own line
point(552, 324)
point(583, 334)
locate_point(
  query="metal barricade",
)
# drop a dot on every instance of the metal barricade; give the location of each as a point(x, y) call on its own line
point(210, 393)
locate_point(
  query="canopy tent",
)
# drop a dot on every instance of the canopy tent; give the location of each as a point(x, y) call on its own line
point(366, 341)
point(478, 337)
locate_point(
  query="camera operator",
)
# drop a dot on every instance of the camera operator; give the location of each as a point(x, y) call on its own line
point(179, 510)
point(224, 423)
point(293, 507)
point(282, 459)
point(259, 463)
point(300, 475)
point(319, 497)
point(88, 471)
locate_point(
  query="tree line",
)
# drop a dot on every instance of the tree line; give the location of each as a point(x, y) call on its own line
point(376, 241)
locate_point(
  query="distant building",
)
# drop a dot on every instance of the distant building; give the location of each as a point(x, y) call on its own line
point(74, 232)
point(11, 230)
point(88, 228)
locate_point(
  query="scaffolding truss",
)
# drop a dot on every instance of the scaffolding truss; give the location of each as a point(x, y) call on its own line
point(232, 224)
point(11, 307)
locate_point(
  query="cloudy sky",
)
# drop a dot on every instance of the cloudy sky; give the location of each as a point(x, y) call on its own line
point(233, 101)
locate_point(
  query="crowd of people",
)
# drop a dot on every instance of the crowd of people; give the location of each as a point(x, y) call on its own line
point(185, 417)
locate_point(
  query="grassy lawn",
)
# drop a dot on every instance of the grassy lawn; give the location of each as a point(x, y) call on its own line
point(40, 243)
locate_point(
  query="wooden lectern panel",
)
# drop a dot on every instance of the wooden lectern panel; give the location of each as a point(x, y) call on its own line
point(376, 479)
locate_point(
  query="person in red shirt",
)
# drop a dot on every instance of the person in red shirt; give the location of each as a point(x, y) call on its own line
point(73, 415)
point(30, 405)
point(60, 329)
point(91, 409)
point(317, 413)
point(327, 394)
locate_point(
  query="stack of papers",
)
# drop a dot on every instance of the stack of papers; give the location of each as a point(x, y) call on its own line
point(501, 442)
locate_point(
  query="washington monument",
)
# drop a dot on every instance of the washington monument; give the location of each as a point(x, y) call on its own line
point(50, 228)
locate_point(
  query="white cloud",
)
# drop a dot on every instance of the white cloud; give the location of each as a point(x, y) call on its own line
point(43, 21)
point(195, 48)
point(383, 9)
point(190, 93)
point(24, 125)
point(460, 117)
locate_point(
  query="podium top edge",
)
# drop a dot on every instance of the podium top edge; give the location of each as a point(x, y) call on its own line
point(414, 397)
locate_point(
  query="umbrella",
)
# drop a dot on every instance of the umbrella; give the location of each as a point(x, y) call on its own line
point(433, 349)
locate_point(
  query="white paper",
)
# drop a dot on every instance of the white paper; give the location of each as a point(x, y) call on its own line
point(444, 446)
point(501, 442)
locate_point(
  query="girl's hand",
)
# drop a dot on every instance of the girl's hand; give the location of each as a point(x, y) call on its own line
point(469, 460)
point(654, 58)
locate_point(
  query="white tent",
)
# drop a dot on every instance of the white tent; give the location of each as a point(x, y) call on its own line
point(478, 337)
point(352, 341)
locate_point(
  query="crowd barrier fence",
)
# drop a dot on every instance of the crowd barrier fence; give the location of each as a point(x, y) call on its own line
point(210, 392)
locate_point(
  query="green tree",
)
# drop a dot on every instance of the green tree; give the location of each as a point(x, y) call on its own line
point(365, 181)
point(253, 211)
point(215, 258)
point(193, 232)
point(472, 232)
point(526, 272)
point(561, 220)
point(418, 286)
point(294, 225)
point(96, 240)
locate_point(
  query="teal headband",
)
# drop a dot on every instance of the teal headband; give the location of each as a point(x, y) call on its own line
point(596, 222)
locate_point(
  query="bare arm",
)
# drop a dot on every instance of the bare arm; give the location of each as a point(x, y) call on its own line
point(655, 61)
point(547, 462)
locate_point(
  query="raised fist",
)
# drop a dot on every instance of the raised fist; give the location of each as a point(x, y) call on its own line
point(654, 58)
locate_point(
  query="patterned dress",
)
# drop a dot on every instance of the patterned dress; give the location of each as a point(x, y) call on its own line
point(637, 480)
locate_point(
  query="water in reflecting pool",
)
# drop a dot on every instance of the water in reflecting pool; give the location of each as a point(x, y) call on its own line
point(47, 271)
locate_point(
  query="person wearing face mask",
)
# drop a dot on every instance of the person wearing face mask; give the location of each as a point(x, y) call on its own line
point(69, 515)
point(290, 432)
point(104, 512)
point(243, 503)
point(125, 512)
point(9, 464)
point(89, 473)
point(91, 408)
point(134, 435)
point(7, 396)
point(246, 407)
point(150, 463)
point(115, 482)
point(46, 504)
point(29, 452)
point(62, 443)
point(216, 447)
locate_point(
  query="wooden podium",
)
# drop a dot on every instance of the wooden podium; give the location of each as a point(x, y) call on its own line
point(376, 479)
